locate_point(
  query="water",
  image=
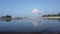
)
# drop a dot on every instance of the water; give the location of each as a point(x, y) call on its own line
point(30, 25)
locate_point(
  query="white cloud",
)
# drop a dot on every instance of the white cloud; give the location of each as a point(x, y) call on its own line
point(35, 11)
point(38, 11)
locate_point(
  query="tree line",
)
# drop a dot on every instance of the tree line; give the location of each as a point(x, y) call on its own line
point(50, 15)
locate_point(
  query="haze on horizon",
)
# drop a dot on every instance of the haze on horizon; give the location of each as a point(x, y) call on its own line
point(29, 7)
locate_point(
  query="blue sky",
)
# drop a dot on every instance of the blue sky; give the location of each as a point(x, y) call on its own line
point(25, 7)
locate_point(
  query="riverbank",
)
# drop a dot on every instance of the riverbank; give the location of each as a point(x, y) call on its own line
point(52, 17)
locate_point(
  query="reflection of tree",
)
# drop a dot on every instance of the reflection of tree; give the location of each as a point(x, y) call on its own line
point(7, 20)
point(59, 20)
point(54, 19)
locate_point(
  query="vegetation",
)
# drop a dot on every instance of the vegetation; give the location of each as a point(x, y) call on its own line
point(7, 17)
point(50, 15)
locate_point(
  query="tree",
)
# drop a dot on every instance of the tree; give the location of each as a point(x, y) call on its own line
point(59, 14)
point(8, 16)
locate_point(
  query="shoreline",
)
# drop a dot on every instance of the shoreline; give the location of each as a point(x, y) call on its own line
point(52, 17)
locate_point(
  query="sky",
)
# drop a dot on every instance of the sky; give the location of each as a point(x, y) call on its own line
point(29, 7)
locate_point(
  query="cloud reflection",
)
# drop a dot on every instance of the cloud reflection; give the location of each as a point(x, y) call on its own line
point(35, 22)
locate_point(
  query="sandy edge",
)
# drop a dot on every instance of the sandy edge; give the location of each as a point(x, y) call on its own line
point(51, 17)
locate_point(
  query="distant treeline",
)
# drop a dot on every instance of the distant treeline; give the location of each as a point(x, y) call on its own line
point(51, 15)
point(7, 16)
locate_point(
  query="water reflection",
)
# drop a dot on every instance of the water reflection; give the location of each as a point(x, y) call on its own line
point(54, 19)
point(35, 22)
point(6, 20)
point(32, 25)
point(59, 20)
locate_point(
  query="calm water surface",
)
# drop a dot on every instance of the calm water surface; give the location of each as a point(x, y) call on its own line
point(30, 25)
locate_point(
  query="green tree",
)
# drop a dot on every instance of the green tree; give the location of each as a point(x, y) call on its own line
point(8, 16)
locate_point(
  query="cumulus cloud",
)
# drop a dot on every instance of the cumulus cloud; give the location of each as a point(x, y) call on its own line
point(38, 11)
point(35, 11)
